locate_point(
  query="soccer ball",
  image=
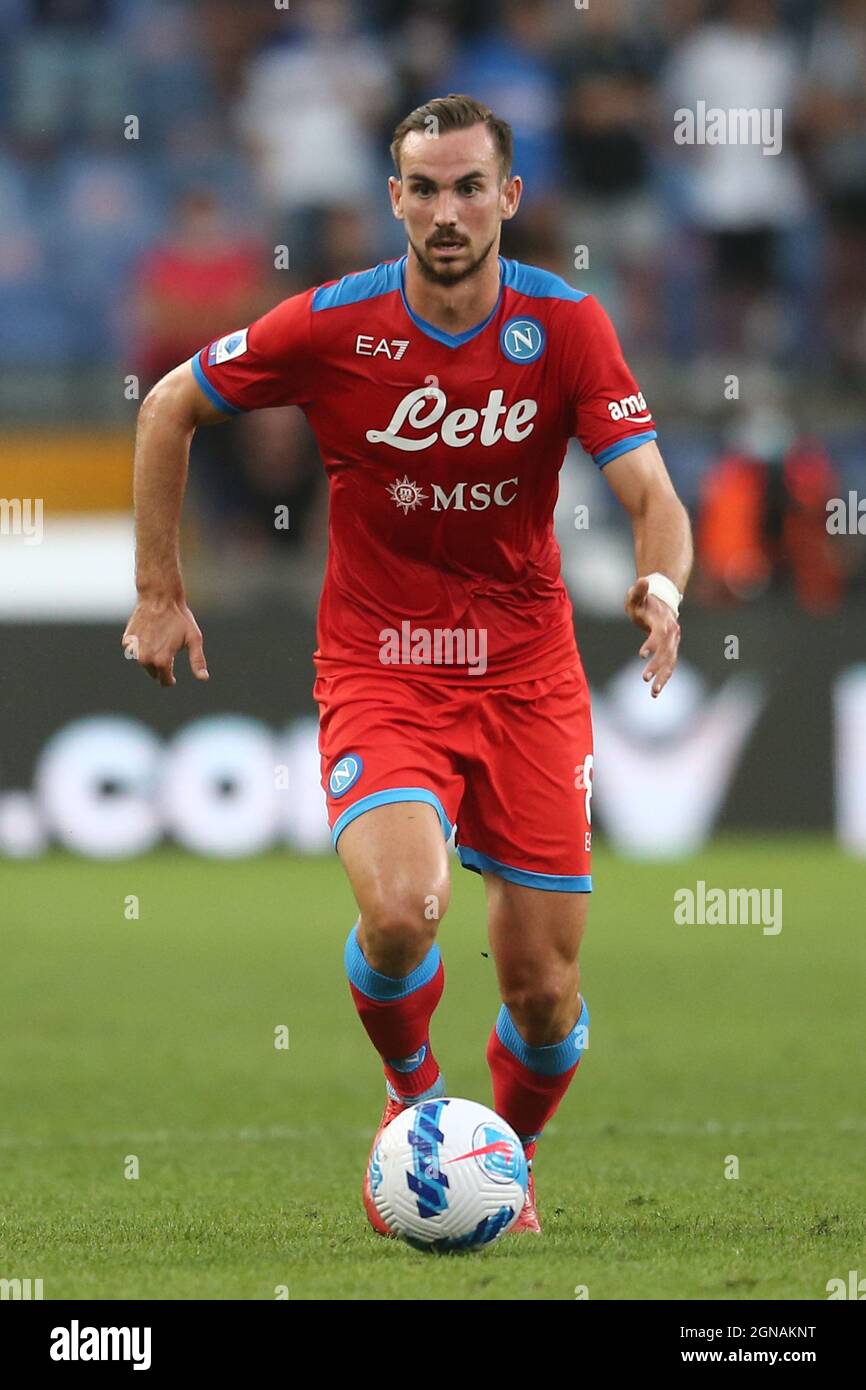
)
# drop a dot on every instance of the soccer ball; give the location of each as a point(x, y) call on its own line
point(448, 1174)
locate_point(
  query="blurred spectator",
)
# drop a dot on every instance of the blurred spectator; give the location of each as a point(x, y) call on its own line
point(607, 69)
point(732, 550)
point(510, 66)
point(313, 100)
point(70, 73)
point(202, 281)
point(834, 109)
point(345, 242)
point(608, 100)
point(813, 558)
point(282, 470)
point(170, 85)
point(230, 34)
point(100, 217)
point(28, 293)
point(762, 518)
point(420, 53)
point(748, 207)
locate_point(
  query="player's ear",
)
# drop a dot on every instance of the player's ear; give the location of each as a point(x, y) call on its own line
point(512, 188)
point(395, 189)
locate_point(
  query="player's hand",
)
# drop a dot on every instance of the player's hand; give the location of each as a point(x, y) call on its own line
point(156, 632)
point(656, 619)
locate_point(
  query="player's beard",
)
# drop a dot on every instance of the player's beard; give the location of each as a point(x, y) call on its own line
point(448, 275)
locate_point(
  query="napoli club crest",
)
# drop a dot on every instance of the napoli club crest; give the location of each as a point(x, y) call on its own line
point(522, 340)
point(344, 774)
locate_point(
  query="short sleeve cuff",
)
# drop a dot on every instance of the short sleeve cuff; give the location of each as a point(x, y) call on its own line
point(210, 391)
point(623, 446)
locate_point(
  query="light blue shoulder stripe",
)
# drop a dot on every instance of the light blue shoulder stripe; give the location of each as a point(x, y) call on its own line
point(384, 278)
point(536, 283)
point(363, 284)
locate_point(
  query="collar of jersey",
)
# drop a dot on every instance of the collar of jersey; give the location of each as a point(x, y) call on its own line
point(451, 340)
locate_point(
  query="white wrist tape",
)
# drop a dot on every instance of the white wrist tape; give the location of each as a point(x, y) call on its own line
point(666, 590)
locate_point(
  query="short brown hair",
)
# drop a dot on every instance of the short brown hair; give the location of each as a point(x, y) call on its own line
point(456, 112)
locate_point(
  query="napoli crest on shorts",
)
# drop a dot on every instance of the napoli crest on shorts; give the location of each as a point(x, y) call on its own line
point(344, 774)
point(522, 340)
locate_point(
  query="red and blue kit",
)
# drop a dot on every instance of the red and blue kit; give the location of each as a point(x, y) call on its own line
point(447, 668)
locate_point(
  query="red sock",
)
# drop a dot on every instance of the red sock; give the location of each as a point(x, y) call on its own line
point(529, 1082)
point(396, 1013)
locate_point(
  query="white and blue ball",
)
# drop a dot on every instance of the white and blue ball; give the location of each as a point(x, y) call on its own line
point(448, 1174)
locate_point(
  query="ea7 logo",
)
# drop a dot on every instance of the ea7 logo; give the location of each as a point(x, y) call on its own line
point(628, 408)
point(393, 348)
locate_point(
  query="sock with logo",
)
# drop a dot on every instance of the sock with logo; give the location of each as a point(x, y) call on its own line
point(529, 1082)
point(396, 1013)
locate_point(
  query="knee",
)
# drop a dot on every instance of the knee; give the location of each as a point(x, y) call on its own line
point(545, 1006)
point(399, 921)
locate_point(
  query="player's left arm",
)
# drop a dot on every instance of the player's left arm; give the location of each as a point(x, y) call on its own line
point(663, 551)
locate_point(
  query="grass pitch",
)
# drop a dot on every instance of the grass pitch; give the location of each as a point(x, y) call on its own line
point(151, 1041)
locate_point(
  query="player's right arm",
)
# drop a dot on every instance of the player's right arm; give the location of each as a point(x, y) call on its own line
point(161, 623)
point(271, 363)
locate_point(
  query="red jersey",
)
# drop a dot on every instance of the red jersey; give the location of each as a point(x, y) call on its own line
point(442, 452)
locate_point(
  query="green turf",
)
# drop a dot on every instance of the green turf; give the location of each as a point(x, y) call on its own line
point(154, 1038)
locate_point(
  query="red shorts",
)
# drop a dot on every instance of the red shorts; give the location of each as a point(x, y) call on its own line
point(510, 765)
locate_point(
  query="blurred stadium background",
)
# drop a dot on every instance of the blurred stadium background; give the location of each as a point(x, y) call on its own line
point(169, 169)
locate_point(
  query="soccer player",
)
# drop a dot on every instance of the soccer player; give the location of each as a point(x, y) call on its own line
point(443, 388)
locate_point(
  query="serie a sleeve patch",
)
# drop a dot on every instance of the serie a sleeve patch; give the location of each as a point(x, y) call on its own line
point(224, 349)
